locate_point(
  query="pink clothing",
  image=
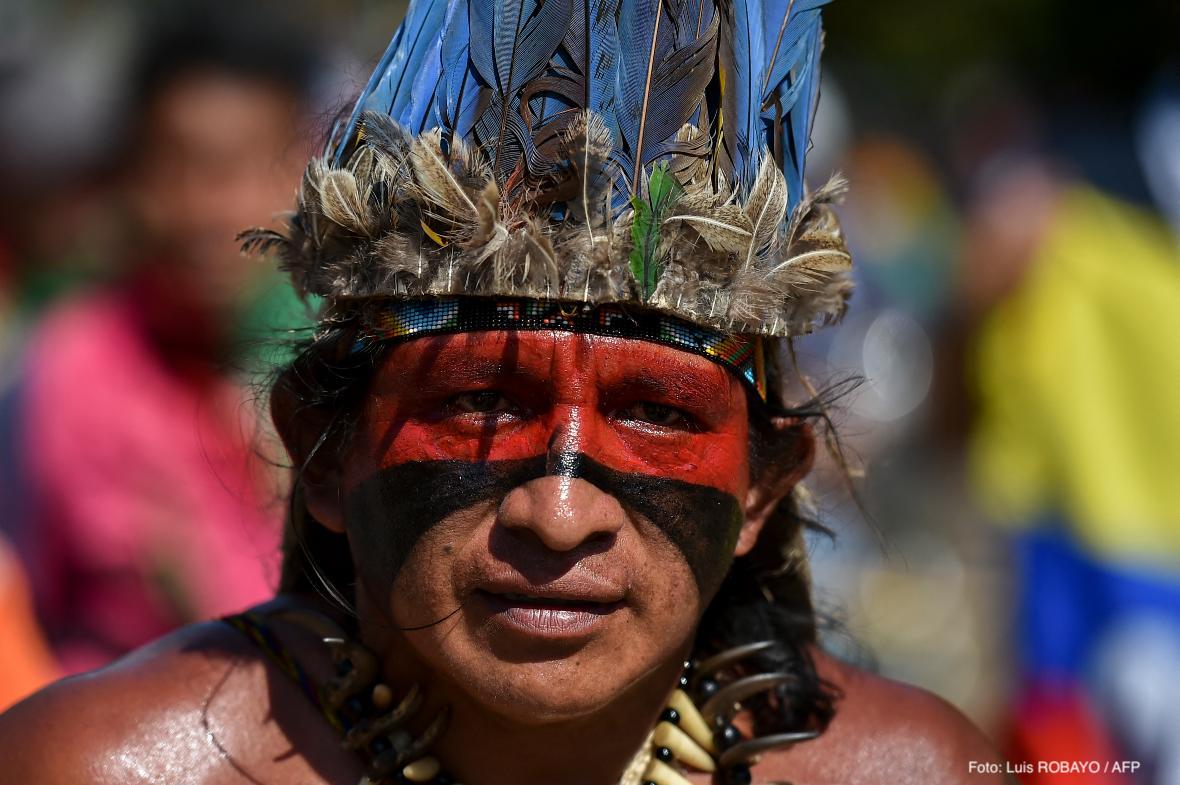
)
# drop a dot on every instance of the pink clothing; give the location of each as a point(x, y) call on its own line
point(149, 506)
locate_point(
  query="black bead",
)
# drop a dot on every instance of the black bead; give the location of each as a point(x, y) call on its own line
point(355, 705)
point(442, 779)
point(671, 715)
point(728, 736)
point(664, 754)
point(708, 688)
point(683, 682)
point(739, 775)
point(380, 744)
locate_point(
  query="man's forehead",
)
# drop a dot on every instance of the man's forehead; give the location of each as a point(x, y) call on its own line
point(548, 353)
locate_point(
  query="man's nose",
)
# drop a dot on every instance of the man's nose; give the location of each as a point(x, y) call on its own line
point(563, 513)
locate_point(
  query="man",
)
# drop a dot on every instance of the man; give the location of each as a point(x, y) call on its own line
point(543, 471)
point(135, 460)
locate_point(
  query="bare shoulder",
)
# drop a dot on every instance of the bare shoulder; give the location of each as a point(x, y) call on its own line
point(886, 732)
point(198, 707)
point(95, 726)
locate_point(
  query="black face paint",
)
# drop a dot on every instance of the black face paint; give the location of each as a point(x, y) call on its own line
point(701, 521)
point(390, 511)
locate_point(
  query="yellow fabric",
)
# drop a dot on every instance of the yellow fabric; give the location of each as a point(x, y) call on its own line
point(1078, 374)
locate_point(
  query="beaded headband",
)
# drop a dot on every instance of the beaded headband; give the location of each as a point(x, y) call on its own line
point(403, 319)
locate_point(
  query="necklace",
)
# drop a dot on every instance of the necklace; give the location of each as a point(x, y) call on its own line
point(695, 732)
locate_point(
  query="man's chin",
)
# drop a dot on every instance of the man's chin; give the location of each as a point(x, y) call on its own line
point(544, 693)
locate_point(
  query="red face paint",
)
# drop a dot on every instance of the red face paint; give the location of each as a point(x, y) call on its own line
point(629, 405)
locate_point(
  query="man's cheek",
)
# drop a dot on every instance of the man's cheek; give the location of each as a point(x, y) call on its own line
point(389, 512)
point(668, 585)
point(422, 590)
point(702, 526)
point(701, 521)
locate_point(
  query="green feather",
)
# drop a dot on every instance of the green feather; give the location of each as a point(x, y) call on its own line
point(663, 191)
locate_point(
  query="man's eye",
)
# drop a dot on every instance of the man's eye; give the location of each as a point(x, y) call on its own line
point(657, 414)
point(481, 402)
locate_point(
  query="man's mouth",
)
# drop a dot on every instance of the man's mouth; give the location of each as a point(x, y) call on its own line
point(562, 612)
point(558, 603)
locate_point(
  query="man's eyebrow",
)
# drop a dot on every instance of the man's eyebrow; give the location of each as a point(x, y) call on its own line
point(458, 368)
point(691, 386)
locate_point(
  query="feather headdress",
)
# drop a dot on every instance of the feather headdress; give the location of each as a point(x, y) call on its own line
point(632, 151)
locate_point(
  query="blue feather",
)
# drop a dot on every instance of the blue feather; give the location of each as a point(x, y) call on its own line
point(740, 67)
point(510, 76)
point(784, 34)
point(508, 51)
point(457, 93)
point(582, 75)
point(602, 54)
point(506, 36)
point(659, 84)
point(639, 51)
point(422, 55)
point(422, 111)
point(482, 51)
point(803, 113)
point(792, 84)
point(389, 90)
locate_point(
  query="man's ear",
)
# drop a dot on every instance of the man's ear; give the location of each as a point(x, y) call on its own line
point(786, 456)
point(304, 429)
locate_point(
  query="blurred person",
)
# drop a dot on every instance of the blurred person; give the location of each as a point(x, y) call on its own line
point(56, 154)
point(135, 489)
point(1076, 443)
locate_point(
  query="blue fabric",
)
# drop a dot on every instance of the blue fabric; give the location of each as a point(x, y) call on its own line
point(1069, 598)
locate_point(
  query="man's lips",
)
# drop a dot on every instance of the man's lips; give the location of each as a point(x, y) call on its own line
point(571, 607)
point(512, 599)
point(572, 589)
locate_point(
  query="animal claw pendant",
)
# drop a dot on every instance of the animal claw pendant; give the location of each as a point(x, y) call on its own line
point(688, 738)
point(375, 723)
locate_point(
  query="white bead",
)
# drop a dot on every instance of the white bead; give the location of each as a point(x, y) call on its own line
point(382, 696)
point(422, 770)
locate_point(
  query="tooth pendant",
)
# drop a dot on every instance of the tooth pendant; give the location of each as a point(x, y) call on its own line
point(682, 746)
point(682, 736)
point(691, 720)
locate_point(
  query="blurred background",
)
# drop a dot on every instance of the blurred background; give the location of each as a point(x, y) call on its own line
point(1015, 217)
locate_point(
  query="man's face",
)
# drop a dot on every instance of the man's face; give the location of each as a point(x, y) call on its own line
point(577, 498)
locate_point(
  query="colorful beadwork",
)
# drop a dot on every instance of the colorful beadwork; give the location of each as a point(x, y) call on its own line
point(402, 319)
